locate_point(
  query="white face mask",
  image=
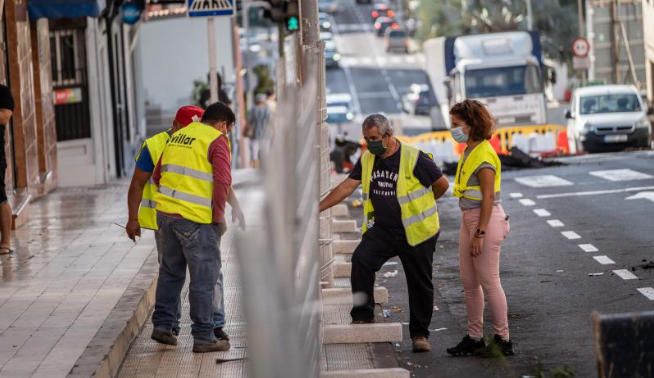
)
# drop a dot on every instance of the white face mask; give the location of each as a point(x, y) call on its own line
point(459, 135)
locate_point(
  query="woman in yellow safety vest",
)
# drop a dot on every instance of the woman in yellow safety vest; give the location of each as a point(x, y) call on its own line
point(484, 226)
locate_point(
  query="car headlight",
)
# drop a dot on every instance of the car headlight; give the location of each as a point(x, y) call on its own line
point(349, 116)
point(643, 123)
point(336, 57)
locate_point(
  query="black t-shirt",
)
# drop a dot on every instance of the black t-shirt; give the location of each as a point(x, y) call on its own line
point(6, 102)
point(383, 186)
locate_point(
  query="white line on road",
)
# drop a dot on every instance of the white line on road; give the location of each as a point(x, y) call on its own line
point(595, 192)
point(516, 195)
point(621, 175)
point(542, 213)
point(571, 235)
point(555, 223)
point(527, 202)
point(604, 260)
point(625, 274)
point(588, 248)
point(543, 181)
point(648, 292)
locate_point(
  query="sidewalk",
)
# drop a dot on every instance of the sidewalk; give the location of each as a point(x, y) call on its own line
point(64, 292)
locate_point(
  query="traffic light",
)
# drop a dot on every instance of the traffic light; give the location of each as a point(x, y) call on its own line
point(284, 11)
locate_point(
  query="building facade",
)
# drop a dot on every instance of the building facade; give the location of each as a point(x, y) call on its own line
point(648, 26)
point(31, 135)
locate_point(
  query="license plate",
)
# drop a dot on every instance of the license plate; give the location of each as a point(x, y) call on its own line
point(615, 138)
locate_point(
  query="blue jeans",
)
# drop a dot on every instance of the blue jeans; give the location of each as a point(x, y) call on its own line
point(218, 303)
point(184, 243)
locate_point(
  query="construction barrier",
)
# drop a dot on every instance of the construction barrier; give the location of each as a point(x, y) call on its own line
point(541, 140)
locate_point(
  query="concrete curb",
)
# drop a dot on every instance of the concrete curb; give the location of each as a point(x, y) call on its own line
point(332, 296)
point(369, 373)
point(362, 333)
point(345, 247)
point(105, 353)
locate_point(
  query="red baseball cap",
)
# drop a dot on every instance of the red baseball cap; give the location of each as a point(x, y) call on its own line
point(187, 114)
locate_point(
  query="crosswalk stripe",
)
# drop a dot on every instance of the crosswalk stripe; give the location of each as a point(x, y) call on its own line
point(543, 181)
point(625, 274)
point(621, 175)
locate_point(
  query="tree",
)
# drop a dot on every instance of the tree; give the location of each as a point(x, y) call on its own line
point(556, 20)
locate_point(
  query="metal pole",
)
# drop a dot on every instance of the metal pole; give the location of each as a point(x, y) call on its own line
point(530, 16)
point(213, 79)
point(580, 17)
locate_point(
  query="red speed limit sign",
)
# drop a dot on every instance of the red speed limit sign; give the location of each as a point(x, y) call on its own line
point(580, 47)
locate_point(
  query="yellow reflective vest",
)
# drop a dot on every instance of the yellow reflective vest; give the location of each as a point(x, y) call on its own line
point(186, 184)
point(417, 203)
point(482, 153)
point(147, 209)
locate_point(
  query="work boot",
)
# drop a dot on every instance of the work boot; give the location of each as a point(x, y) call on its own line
point(163, 336)
point(498, 348)
point(467, 347)
point(220, 334)
point(206, 347)
point(421, 344)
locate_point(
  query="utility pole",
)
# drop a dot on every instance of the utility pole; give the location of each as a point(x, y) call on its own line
point(530, 16)
point(213, 79)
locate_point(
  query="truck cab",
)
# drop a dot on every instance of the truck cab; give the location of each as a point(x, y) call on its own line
point(502, 70)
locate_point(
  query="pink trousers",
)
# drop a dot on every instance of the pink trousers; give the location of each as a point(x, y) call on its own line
point(481, 274)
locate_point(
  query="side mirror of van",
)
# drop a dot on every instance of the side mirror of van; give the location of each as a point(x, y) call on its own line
point(650, 110)
point(568, 114)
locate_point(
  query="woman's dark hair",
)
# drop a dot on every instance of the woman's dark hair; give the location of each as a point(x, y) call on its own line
point(477, 117)
point(218, 112)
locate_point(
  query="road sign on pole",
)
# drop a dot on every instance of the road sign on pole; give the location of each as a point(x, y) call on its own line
point(580, 47)
point(210, 8)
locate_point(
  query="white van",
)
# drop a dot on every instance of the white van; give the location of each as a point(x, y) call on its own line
point(608, 118)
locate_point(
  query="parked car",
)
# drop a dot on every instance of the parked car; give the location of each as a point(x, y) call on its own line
point(338, 115)
point(329, 6)
point(332, 56)
point(419, 100)
point(339, 99)
point(326, 22)
point(608, 117)
point(383, 23)
point(396, 40)
point(381, 10)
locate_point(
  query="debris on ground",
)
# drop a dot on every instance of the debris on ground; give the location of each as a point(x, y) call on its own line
point(516, 159)
point(387, 313)
point(595, 274)
point(391, 274)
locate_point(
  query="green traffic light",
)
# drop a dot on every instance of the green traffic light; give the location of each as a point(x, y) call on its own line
point(293, 24)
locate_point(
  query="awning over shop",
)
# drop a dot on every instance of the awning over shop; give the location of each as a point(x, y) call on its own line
point(54, 9)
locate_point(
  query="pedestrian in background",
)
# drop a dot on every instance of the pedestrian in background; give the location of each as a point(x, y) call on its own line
point(194, 181)
point(258, 127)
point(6, 216)
point(484, 226)
point(400, 187)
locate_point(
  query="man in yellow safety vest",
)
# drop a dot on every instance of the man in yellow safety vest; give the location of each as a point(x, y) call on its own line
point(400, 187)
point(194, 181)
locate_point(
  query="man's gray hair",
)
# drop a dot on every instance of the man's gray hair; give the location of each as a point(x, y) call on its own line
point(380, 121)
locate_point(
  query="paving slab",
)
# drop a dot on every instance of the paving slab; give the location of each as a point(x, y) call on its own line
point(71, 267)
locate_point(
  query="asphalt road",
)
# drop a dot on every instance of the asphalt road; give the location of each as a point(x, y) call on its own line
point(377, 80)
point(552, 284)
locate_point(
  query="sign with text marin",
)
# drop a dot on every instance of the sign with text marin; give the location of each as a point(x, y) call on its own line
point(210, 8)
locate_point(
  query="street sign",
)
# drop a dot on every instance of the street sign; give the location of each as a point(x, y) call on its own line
point(210, 8)
point(580, 63)
point(580, 47)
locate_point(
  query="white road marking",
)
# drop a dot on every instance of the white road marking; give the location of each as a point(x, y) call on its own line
point(527, 202)
point(648, 292)
point(555, 223)
point(604, 260)
point(621, 175)
point(571, 235)
point(516, 195)
point(588, 248)
point(367, 61)
point(396, 60)
point(544, 181)
point(642, 195)
point(595, 192)
point(410, 59)
point(625, 274)
point(542, 213)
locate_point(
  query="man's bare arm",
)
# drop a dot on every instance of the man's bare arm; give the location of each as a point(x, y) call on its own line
point(440, 186)
point(338, 194)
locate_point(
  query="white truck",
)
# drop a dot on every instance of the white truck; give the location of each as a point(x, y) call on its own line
point(502, 70)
